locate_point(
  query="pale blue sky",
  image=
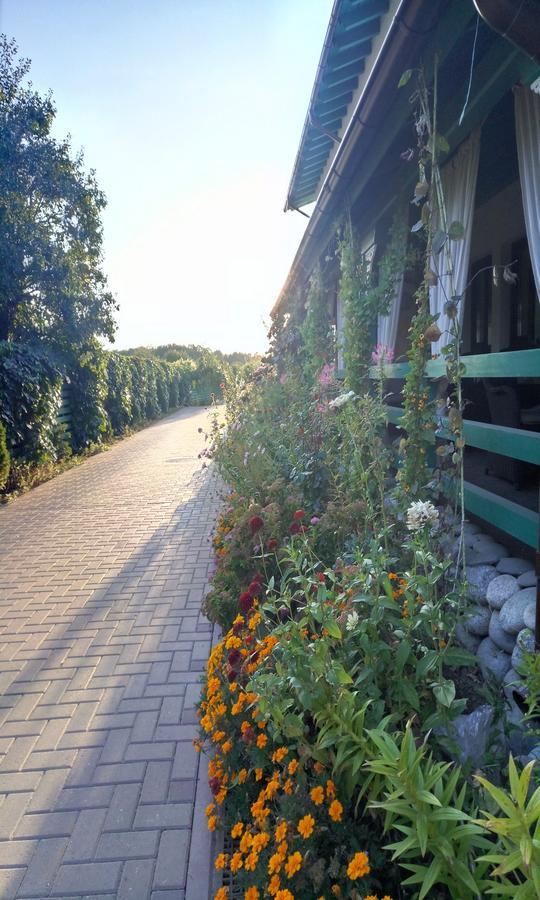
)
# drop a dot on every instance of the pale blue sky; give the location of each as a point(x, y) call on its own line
point(191, 113)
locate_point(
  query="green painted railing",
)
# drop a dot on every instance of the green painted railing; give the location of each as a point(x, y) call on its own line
point(517, 443)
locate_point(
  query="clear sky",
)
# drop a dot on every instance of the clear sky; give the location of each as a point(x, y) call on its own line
point(191, 113)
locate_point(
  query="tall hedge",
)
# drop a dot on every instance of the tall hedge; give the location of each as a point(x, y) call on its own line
point(119, 400)
point(4, 457)
point(88, 387)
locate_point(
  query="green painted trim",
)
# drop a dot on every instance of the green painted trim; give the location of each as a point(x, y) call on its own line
point(509, 364)
point(511, 518)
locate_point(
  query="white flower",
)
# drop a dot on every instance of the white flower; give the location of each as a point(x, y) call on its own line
point(421, 513)
point(352, 621)
point(341, 400)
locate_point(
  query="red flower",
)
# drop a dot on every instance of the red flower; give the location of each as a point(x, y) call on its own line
point(254, 588)
point(249, 639)
point(294, 528)
point(232, 675)
point(258, 577)
point(272, 544)
point(234, 657)
point(222, 385)
point(255, 524)
point(299, 514)
point(245, 601)
point(214, 785)
point(321, 576)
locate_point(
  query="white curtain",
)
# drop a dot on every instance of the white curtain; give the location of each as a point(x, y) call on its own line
point(527, 111)
point(458, 179)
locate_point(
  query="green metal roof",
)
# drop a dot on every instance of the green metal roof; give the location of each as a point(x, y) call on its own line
point(353, 25)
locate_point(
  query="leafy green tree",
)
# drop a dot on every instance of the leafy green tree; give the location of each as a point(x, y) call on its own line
point(51, 280)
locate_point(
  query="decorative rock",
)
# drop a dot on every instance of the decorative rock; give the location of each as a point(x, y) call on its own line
point(492, 660)
point(499, 636)
point(529, 616)
point(478, 578)
point(470, 641)
point(477, 621)
point(488, 553)
point(511, 616)
point(470, 733)
point(514, 684)
point(511, 565)
point(524, 643)
point(528, 579)
point(500, 590)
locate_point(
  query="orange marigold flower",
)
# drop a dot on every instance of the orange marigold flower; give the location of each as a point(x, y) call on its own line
point(335, 811)
point(242, 776)
point(260, 840)
point(319, 768)
point(236, 862)
point(317, 795)
point(212, 822)
point(306, 826)
point(274, 864)
point(288, 787)
point(221, 860)
point(237, 830)
point(330, 789)
point(274, 885)
point(282, 849)
point(258, 774)
point(210, 809)
point(272, 788)
point(336, 890)
point(262, 741)
point(280, 832)
point(292, 767)
point(251, 862)
point(251, 894)
point(226, 747)
point(284, 895)
point(293, 864)
point(245, 726)
point(358, 866)
point(279, 754)
point(221, 894)
point(392, 576)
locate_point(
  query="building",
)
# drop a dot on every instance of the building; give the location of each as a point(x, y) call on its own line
point(354, 161)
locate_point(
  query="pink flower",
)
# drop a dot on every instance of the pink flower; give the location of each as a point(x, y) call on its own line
point(321, 407)
point(326, 375)
point(382, 354)
point(283, 378)
point(314, 520)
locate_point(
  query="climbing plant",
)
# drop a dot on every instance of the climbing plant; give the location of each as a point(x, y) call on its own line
point(317, 331)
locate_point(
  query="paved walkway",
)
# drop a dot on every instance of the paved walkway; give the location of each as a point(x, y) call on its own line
point(102, 572)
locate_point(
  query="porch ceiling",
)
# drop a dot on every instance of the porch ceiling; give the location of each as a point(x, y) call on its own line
point(353, 25)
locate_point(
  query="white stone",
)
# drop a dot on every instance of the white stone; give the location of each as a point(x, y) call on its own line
point(512, 565)
point(493, 661)
point(478, 578)
point(499, 636)
point(511, 616)
point(524, 644)
point(528, 579)
point(477, 620)
point(529, 616)
point(500, 590)
point(485, 552)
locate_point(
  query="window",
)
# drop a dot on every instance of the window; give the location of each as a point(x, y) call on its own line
point(522, 299)
point(481, 304)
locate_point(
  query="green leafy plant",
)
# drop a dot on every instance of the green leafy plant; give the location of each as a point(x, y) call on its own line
point(4, 457)
point(517, 852)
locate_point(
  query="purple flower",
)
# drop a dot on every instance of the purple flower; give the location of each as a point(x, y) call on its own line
point(314, 520)
point(326, 375)
point(382, 354)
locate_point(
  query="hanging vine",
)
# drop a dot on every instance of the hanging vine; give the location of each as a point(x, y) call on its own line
point(366, 294)
point(317, 331)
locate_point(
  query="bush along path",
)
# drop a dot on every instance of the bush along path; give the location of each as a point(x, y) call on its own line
point(102, 573)
point(336, 703)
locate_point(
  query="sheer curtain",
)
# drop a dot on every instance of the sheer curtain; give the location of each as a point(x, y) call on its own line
point(458, 179)
point(527, 112)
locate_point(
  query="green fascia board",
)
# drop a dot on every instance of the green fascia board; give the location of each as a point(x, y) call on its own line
point(342, 56)
point(344, 73)
point(337, 90)
point(510, 517)
point(508, 364)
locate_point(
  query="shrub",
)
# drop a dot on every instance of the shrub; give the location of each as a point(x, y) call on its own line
point(118, 402)
point(4, 457)
point(87, 396)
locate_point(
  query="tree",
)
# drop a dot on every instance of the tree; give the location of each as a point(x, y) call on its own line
point(51, 281)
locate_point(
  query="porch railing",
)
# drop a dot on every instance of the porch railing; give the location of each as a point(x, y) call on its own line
point(516, 443)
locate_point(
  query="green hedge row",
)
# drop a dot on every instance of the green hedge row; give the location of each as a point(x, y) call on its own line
point(105, 393)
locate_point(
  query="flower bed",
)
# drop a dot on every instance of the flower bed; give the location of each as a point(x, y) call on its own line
point(330, 700)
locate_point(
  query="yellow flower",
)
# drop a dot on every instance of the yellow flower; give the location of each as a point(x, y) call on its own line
point(306, 826)
point(292, 767)
point(254, 621)
point(387, 897)
point(272, 788)
point(251, 862)
point(358, 866)
point(221, 894)
point(260, 841)
point(372, 897)
point(237, 829)
point(262, 741)
point(280, 832)
point(294, 864)
point(212, 822)
point(274, 864)
point(282, 849)
point(251, 894)
point(317, 795)
point(236, 862)
point(221, 860)
point(210, 809)
point(226, 747)
point(335, 811)
point(218, 736)
point(246, 842)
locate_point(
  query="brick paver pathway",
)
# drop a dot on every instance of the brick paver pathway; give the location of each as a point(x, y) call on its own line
point(102, 572)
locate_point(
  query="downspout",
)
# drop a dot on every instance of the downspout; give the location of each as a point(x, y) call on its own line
point(518, 22)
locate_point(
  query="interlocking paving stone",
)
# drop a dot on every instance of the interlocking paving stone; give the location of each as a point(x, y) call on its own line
point(102, 573)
